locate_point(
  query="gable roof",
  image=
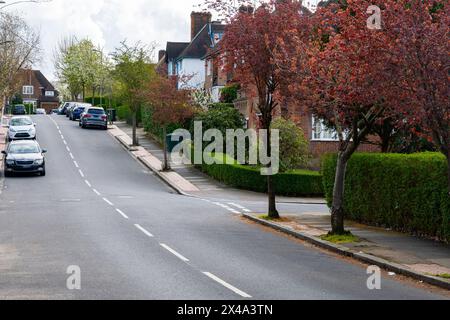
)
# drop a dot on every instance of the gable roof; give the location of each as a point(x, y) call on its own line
point(202, 42)
point(43, 81)
point(174, 49)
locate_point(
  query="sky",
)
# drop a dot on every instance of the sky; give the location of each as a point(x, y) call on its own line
point(107, 23)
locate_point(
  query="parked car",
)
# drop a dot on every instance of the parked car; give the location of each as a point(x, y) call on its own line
point(41, 111)
point(24, 157)
point(77, 110)
point(55, 111)
point(63, 108)
point(70, 108)
point(94, 117)
point(21, 128)
point(19, 109)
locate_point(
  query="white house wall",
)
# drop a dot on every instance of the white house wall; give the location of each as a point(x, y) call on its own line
point(194, 70)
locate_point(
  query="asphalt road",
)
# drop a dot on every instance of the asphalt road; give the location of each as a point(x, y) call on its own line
point(133, 238)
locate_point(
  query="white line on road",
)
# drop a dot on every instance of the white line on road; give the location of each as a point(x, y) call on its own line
point(96, 192)
point(76, 164)
point(174, 252)
point(68, 149)
point(122, 214)
point(65, 142)
point(239, 207)
point(144, 231)
point(81, 173)
point(227, 285)
point(71, 155)
point(88, 183)
point(108, 202)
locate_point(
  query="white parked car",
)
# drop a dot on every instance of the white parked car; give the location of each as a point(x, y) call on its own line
point(21, 128)
point(41, 111)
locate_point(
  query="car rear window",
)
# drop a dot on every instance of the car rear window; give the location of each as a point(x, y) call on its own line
point(19, 107)
point(96, 111)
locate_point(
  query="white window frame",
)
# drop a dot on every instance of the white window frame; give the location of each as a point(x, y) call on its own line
point(49, 93)
point(26, 90)
point(325, 134)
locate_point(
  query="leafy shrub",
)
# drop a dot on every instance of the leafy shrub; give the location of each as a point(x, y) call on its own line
point(221, 116)
point(294, 148)
point(124, 113)
point(292, 183)
point(229, 93)
point(404, 192)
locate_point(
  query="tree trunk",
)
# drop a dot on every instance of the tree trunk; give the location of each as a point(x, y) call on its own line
point(134, 124)
point(273, 212)
point(337, 210)
point(166, 166)
point(448, 171)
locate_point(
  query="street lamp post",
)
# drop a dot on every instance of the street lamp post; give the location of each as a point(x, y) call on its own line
point(101, 84)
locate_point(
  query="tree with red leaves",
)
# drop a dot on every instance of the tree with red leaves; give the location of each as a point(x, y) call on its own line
point(348, 81)
point(248, 47)
point(168, 106)
point(421, 29)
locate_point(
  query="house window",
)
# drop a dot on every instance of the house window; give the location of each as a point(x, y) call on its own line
point(321, 132)
point(49, 93)
point(28, 90)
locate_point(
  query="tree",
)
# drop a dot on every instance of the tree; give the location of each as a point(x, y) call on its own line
point(348, 84)
point(134, 70)
point(168, 106)
point(294, 148)
point(248, 46)
point(19, 48)
point(422, 65)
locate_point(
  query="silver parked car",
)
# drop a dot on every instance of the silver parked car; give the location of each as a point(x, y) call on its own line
point(94, 117)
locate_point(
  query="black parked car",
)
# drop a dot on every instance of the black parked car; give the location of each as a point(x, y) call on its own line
point(19, 109)
point(24, 156)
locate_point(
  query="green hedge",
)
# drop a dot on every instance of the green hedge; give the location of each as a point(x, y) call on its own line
point(293, 183)
point(404, 192)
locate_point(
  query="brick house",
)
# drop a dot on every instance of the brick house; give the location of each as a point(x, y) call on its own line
point(35, 89)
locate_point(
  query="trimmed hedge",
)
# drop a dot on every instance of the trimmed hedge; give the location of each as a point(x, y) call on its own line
point(293, 183)
point(403, 192)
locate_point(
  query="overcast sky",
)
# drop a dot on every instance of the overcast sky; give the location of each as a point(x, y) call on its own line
point(106, 22)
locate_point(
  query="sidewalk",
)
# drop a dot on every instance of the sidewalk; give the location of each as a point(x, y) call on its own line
point(423, 259)
point(205, 185)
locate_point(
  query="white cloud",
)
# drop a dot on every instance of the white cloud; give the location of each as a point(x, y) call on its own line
point(107, 22)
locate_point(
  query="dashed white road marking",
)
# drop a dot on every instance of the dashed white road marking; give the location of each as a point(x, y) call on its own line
point(96, 192)
point(76, 164)
point(179, 256)
point(71, 155)
point(148, 234)
point(65, 142)
point(68, 149)
point(108, 202)
point(88, 183)
point(239, 207)
point(227, 285)
point(81, 173)
point(122, 214)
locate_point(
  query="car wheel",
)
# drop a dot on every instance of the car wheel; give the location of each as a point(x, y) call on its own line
point(43, 173)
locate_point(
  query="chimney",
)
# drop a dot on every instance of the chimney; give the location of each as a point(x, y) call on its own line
point(161, 54)
point(198, 21)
